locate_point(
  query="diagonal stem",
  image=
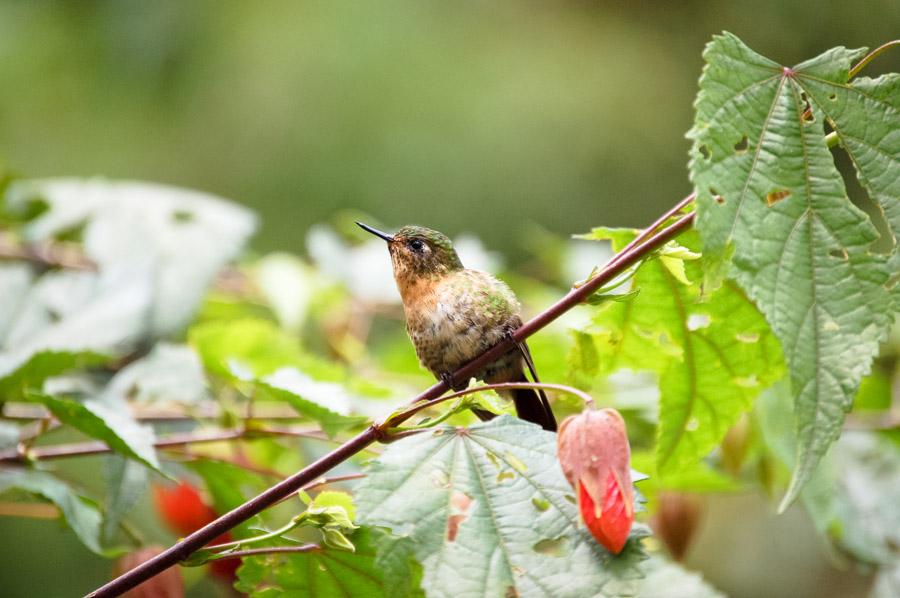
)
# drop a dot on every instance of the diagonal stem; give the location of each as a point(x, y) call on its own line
point(650, 240)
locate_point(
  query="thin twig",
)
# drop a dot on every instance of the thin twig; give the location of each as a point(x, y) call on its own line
point(500, 386)
point(871, 56)
point(96, 447)
point(180, 551)
point(237, 554)
point(56, 254)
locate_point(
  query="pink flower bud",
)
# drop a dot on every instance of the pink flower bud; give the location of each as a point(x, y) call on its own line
point(595, 457)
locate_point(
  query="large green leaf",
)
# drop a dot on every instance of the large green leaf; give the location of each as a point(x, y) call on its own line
point(82, 516)
point(325, 573)
point(489, 513)
point(119, 431)
point(714, 353)
point(767, 187)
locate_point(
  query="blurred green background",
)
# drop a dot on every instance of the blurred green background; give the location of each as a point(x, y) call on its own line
point(456, 115)
point(484, 117)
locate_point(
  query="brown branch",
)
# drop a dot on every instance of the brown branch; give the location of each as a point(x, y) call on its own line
point(48, 254)
point(96, 447)
point(625, 259)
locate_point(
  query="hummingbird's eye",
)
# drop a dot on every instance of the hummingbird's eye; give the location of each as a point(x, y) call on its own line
point(416, 245)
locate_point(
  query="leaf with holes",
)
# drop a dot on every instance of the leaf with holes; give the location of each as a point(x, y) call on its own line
point(767, 188)
point(488, 512)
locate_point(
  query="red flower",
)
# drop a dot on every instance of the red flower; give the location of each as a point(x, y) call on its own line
point(594, 454)
point(183, 510)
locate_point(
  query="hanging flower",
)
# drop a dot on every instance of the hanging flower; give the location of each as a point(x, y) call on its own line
point(594, 454)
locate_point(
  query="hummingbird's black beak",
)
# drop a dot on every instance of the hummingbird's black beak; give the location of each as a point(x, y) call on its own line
point(375, 232)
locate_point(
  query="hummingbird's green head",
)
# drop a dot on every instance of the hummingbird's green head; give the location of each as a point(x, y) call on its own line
point(418, 252)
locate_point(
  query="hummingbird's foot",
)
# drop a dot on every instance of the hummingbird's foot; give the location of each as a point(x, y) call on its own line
point(448, 379)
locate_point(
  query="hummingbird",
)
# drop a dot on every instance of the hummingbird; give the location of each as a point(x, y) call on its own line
point(453, 314)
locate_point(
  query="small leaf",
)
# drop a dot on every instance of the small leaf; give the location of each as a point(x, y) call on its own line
point(335, 498)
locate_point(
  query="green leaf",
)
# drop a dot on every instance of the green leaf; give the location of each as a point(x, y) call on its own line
point(713, 353)
point(463, 498)
point(331, 421)
point(322, 573)
point(256, 347)
point(767, 186)
point(126, 482)
point(335, 498)
point(121, 433)
point(18, 375)
point(82, 516)
point(618, 237)
point(865, 115)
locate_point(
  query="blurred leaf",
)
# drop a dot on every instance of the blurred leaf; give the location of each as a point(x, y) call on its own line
point(253, 347)
point(133, 227)
point(17, 377)
point(852, 496)
point(117, 430)
point(170, 373)
point(698, 477)
point(875, 391)
point(319, 574)
point(288, 285)
point(310, 399)
point(82, 517)
point(9, 434)
point(126, 482)
point(666, 579)
point(766, 182)
point(464, 499)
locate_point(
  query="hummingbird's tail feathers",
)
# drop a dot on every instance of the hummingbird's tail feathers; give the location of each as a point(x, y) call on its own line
point(533, 407)
point(541, 411)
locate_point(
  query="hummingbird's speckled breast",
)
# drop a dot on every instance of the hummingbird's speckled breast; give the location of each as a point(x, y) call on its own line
point(454, 318)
